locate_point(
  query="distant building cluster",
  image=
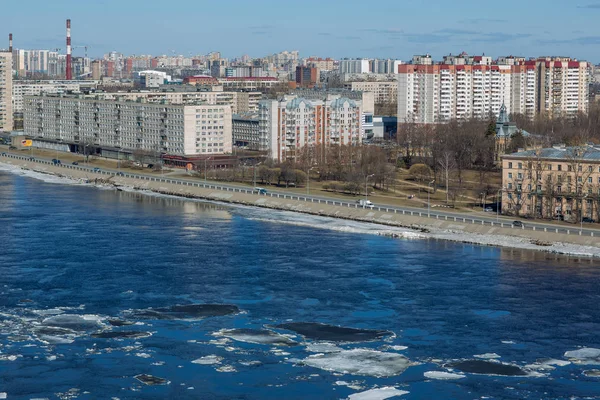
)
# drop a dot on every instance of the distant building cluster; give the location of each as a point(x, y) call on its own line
point(280, 104)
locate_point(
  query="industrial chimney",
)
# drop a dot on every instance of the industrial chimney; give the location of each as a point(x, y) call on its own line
point(10, 42)
point(69, 71)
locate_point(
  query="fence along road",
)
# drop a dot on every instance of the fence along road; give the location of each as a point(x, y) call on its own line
point(437, 214)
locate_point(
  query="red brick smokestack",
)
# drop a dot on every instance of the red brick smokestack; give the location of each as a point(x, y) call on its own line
point(69, 71)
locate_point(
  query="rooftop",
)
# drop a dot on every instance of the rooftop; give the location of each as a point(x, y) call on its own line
point(586, 152)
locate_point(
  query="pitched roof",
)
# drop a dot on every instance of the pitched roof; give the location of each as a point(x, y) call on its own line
point(587, 152)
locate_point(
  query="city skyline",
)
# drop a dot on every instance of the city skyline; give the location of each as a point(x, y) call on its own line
point(394, 30)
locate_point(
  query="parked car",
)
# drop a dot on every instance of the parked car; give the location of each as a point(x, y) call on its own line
point(488, 209)
point(3, 154)
point(261, 190)
point(120, 174)
point(365, 203)
point(96, 169)
point(518, 224)
point(151, 166)
point(588, 219)
point(55, 161)
point(75, 163)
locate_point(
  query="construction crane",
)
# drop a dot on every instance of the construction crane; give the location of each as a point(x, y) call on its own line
point(84, 47)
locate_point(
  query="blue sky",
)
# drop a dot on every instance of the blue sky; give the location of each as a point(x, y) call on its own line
point(349, 28)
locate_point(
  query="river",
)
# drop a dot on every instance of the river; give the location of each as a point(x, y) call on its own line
point(107, 294)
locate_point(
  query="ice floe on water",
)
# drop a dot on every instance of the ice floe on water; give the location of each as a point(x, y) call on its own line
point(359, 362)
point(378, 394)
point(121, 335)
point(443, 375)
point(151, 380)
point(332, 333)
point(547, 364)
point(585, 355)
point(226, 369)
point(483, 367)
point(487, 356)
point(184, 312)
point(75, 322)
point(322, 348)
point(208, 360)
point(592, 373)
point(256, 336)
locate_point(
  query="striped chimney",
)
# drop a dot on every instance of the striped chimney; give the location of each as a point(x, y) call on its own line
point(10, 42)
point(69, 71)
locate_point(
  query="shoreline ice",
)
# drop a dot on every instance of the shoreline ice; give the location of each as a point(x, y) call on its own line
point(338, 224)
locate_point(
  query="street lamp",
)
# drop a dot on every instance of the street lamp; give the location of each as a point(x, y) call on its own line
point(428, 193)
point(308, 179)
point(366, 190)
point(482, 201)
point(206, 169)
point(498, 203)
point(254, 168)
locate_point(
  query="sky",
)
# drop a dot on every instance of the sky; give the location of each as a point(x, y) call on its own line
point(325, 28)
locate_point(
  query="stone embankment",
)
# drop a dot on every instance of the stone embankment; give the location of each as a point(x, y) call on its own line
point(460, 230)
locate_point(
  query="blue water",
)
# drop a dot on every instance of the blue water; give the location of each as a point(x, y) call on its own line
point(82, 251)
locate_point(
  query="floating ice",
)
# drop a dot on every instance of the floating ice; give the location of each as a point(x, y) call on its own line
point(592, 373)
point(208, 360)
point(122, 335)
point(586, 355)
point(151, 380)
point(378, 394)
point(226, 368)
point(75, 322)
point(322, 348)
point(257, 336)
point(332, 333)
point(3, 395)
point(185, 312)
point(441, 375)
point(143, 355)
point(360, 362)
point(547, 364)
point(120, 322)
point(487, 368)
point(487, 356)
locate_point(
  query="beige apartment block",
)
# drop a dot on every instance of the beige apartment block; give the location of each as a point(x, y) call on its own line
point(555, 183)
point(6, 111)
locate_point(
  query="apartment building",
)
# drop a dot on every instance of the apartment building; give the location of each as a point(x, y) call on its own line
point(355, 66)
point(322, 64)
point(307, 77)
point(466, 87)
point(110, 126)
point(249, 84)
point(293, 123)
point(22, 88)
point(239, 102)
point(383, 91)
point(246, 132)
point(558, 183)
point(563, 87)
point(6, 88)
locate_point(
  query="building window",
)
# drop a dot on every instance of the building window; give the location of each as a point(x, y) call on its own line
point(549, 167)
point(520, 165)
point(510, 165)
point(510, 175)
point(559, 166)
point(559, 189)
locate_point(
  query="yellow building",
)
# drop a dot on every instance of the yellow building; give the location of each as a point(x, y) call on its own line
point(555, 183)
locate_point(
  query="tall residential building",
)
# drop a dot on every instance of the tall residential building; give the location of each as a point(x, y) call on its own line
point(357, 66)
point(322, 64)
point(40, 62)
point(383, 91)
point(563, 86)
point(292, 123)
point(6, 112)
point(112, 126)
point(466, 87)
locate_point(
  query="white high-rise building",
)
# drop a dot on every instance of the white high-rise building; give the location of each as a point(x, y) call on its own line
point(356, 66)
point(6, 111)
point(441, 92)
